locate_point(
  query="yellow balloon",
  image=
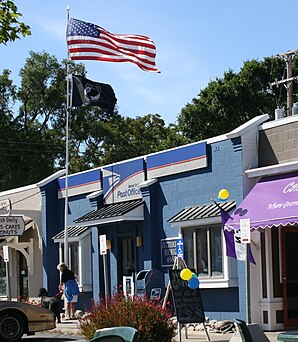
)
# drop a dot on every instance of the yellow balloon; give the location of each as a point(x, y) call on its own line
point(186, 274)
point(223, 194)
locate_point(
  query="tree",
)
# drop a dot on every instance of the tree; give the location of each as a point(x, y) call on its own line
point(132, 137)
point(10, 26)
point(34, 146)
point(228, 102)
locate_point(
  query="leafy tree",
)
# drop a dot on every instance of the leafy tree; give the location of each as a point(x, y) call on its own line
point(10, 26)
point(234, 99)
point(34, 146)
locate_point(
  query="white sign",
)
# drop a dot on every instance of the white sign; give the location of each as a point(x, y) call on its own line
point(11, 225)
point(5, 204)
point(5, 253)
point(245, 230)
point(103, 244)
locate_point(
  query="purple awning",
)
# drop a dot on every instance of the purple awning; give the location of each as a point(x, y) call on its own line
point(273, 201)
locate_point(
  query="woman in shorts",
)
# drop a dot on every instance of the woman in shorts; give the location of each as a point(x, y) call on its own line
point(71, 290)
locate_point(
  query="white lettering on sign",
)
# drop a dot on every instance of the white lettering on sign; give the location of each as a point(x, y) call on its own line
point(291, 187)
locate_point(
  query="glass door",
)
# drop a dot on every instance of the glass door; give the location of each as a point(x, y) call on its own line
point(127, 267)
point(290, 275)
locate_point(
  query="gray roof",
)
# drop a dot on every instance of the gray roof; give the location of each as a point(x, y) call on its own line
point(73, 231)
point(201, 211)
point(110, 211)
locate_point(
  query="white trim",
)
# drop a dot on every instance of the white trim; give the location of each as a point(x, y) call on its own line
point(94, 194)
point(272, 170)
point(49, 179)
point(279, 122)
point(16, 190)
point(217, 283)
point(249, 125)
point(147, 183)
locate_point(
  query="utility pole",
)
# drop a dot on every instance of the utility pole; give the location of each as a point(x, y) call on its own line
point(288, 82)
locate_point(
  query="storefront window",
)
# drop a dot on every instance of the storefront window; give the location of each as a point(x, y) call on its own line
point(73, 257)
point(203, 250)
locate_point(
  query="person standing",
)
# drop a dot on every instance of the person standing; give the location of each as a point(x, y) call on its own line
point(71, 290)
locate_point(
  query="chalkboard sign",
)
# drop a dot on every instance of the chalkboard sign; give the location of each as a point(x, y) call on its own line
point(188, 302)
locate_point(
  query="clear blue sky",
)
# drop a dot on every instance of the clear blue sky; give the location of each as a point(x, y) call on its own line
point(196, 40)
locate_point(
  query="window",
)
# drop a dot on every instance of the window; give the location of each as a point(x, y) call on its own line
point(203, 250)
point(73, 256)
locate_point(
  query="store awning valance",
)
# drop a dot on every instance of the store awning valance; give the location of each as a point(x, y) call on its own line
point(272, 202)
point(112, 213)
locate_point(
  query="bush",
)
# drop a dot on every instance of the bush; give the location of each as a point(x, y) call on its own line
point(151, 320)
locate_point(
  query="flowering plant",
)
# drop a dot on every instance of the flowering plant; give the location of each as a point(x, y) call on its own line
point(28, 301)
point(150, 319)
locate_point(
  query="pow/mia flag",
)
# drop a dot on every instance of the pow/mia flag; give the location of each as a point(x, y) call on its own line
point(88, 93)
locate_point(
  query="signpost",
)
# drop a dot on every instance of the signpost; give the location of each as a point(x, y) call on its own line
point(103, 252)
point(6, 260)
point(245, 238)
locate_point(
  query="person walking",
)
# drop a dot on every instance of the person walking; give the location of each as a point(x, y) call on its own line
point(70, 288)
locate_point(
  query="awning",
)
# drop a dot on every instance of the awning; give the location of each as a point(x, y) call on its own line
point(272, 202)
point(111, 213)
point(199, 212)
point(72, 232)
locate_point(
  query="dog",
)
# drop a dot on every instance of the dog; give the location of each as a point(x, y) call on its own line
point(50, 303)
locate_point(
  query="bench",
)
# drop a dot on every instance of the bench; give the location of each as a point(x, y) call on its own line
point(288, 336)
point(115, 334)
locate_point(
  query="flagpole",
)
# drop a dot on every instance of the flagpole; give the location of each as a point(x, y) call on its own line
point(66, 156)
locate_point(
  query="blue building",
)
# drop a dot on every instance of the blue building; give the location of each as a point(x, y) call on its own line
point(141, 207)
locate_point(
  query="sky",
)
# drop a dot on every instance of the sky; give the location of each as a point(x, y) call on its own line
point(196, 41)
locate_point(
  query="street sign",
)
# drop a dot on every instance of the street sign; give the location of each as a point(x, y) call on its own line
point(103, 244)
point(245, 230)
point(11, 225)
point(5, 254)
point(180, 248)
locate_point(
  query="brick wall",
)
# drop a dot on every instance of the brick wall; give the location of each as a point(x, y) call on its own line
point(278, 144)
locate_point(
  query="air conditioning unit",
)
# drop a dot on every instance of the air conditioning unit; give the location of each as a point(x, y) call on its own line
point(279, 113)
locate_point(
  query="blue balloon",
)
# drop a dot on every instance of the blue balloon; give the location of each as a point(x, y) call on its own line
point(193, 283)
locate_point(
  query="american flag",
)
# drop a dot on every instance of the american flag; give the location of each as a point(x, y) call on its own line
point(87, 41)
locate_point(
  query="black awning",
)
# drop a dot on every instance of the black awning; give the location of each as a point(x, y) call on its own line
point(73, 231)
point(115, 212)
point(201, 212)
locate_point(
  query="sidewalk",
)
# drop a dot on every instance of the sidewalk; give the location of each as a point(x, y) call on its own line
point(219, 337)
point(72, 328)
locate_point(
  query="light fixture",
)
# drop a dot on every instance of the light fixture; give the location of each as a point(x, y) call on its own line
point(109, 244)
point(139, 241)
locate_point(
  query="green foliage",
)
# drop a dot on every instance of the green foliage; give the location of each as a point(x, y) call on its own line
point(33, 121)
point(228, 102)
point(10, 26)
point(151, 320)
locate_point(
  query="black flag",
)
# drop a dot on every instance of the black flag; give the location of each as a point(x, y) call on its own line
point(88, 93)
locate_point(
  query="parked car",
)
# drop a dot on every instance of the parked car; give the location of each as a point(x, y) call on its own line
point(17, 319)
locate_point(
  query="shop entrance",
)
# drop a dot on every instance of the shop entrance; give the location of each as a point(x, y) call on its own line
point(127, 260)
point(22, 275)
point(289, 243)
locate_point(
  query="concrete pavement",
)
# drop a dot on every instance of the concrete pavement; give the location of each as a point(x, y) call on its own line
point(72, 328)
